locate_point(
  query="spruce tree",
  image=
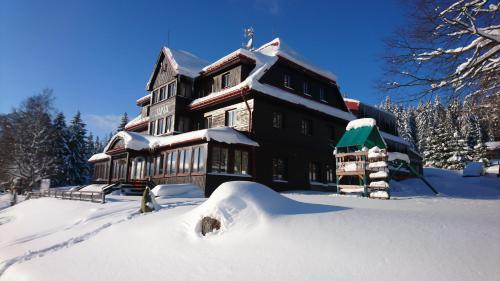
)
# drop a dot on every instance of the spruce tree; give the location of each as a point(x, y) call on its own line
point(61, 151)
point(79, 172)
point(422, 126)
point(123, 122)
point(436, 151)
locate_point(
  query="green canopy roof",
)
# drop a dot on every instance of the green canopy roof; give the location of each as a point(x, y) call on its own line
point(362, 137)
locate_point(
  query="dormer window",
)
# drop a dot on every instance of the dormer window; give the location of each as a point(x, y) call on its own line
point(287, 81)
point(225, 80)
point(322, 94)
point(306, 88)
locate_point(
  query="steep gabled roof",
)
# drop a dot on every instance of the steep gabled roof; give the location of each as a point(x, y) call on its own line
point(183, 63)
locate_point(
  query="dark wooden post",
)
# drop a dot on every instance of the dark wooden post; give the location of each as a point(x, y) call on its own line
point(127, 168)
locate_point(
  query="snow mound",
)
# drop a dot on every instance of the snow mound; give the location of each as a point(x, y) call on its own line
point(94, 187)
point(379, 164)
point(379, 194)
point(241, 205)
point(362, 122)
point(473, 169)
point(379, 184)
point(379, 175)
point(185, 190)
point(376, 152)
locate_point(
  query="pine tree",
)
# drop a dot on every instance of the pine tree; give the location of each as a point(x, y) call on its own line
point(123, 122)
point(61, 150)
point(79, 172)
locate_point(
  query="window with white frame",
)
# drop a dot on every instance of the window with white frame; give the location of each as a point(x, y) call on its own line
point(152, 127)
point(225, 80)
point(154, 96)
point(169, 124)
point(184, 160)
point(231, 118)
point(162, 93)
point(171, 89)
point(198, 159)
point(240, 162)
point(171, 163)
point(160, 129)
point(219, 159)
point(208, 122)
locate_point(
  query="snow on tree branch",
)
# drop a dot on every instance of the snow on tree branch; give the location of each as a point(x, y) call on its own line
point(452, 50)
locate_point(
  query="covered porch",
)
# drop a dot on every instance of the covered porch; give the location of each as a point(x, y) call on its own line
point(205, 158)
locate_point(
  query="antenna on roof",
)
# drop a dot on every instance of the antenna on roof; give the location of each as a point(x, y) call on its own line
point(249, 34)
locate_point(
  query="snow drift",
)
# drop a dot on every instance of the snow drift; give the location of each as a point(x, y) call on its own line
point(243, 204)
point(181, 190)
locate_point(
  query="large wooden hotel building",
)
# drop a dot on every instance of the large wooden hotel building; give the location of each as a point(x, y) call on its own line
point(264, 115)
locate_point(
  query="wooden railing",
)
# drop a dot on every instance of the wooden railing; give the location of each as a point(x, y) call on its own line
point(91, 196)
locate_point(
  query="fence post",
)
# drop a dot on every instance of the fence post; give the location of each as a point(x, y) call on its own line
point(103, 198)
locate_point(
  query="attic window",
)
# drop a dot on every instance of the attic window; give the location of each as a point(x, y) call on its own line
point(287, 81)
point(225, 80)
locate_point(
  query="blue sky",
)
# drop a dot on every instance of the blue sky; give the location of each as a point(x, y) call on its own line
point(98, 55)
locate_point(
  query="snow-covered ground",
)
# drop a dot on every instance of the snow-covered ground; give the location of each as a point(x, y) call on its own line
point(264, 235)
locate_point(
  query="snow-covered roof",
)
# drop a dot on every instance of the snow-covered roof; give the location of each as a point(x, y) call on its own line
point(137, 141)
point(493, 145)
point(136, 121)
point(278, 48)
point(362, 122)
point(183, 63)
point(265, 57)
point(394, 138)
point(98, 157)
point(399, 156)
point(143, 99)
point(227, 58)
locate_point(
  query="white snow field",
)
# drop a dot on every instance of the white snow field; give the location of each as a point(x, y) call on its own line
point(264, 235)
